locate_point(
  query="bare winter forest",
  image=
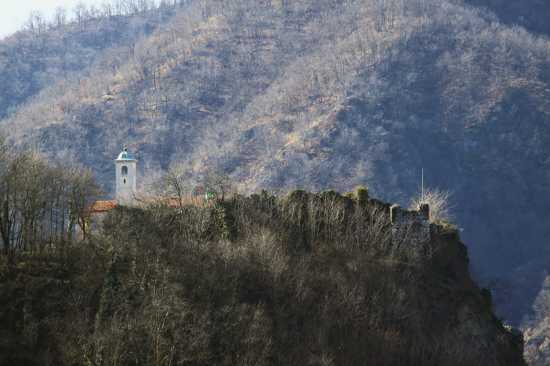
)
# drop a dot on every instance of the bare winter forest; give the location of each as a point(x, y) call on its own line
point(311, 94)
point(318, 279)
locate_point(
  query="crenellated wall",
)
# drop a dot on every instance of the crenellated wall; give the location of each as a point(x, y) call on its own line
point(408, 226)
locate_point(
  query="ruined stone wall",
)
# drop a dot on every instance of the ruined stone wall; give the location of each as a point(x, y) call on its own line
point(410, 227)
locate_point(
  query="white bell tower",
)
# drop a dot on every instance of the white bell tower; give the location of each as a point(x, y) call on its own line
point(126, 176)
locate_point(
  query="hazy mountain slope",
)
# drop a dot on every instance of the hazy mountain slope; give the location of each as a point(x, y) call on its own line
point(531, 14)
point(38, 56)
point(328, 94)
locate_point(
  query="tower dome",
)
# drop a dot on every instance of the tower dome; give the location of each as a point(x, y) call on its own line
point(125, 155)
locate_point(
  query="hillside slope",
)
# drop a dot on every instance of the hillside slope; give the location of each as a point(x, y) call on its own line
point(531, 14)
point(313, 279)
point(322, 94)
point(41, 56)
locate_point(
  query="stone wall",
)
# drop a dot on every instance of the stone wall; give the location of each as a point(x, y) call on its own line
point(411, 227)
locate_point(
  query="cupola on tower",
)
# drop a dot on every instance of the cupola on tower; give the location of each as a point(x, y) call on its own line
point(126, 177)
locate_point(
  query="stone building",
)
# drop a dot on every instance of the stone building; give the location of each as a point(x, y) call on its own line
point(414, 227)
point(125, 184)
point(126, 194)
point(126, 178)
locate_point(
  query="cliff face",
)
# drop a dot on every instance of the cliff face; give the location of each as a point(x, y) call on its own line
point(537, 328)
point(473, 317)
point(316, 279)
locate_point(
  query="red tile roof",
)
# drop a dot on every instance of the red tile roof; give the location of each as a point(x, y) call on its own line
point(172, 202)
point(102, 206)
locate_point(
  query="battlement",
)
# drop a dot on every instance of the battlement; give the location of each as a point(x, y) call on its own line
point(399, 215)
point(410, 226)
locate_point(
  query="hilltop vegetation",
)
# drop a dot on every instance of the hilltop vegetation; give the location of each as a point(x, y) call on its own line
point(41, 205)
point(310, 94)
point(305, 278)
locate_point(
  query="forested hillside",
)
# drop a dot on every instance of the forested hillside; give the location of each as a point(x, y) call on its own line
point(311, 94)
point(531, 14)
point(296, 279)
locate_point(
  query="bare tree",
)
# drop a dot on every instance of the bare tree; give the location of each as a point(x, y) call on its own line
point(36, 23)
point(80, 12)
point(40, 203)
point(174, 185)
point(83, 189)
point(60, 16)
point(439, 202)
point(218, 184)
